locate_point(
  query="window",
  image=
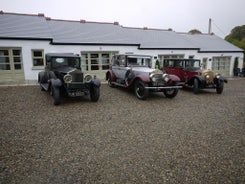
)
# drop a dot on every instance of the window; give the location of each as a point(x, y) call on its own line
point(37, 57)
point(17, 59)
point(96, 61)
point(10, 59)
point(4, 60)
point(105, 61)
point(84, 62)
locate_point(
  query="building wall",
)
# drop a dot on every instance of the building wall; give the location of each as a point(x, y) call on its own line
point(31, 73)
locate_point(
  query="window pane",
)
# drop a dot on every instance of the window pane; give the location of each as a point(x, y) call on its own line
point(4, 60)
point(37, 53)
point(4, 52)
point(38, 62)
point(16, 52)
point(94, 62)
point(4, 67)
point(105, 61)
point(17, 67)
point(17, 59)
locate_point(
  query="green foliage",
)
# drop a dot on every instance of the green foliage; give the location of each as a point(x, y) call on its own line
point(236, 63)
point(237, 37)
point(157, 64)
point(195, 31)
point(237, 33)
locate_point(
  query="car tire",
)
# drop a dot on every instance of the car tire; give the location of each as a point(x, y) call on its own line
point(110, 81)
point(170, 93)
point(220, 87)
point(196, 86)
point(55, 92)
point(94, 93)
point(140, 90)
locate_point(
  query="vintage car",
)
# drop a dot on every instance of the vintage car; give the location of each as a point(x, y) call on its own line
point(63, 77)
point(191, 75)
point(134, 71)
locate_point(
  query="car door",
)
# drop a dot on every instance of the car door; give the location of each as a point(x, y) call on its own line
point(119, 67)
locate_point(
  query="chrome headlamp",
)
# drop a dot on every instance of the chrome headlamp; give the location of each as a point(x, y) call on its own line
point(217, 75)
point(67, 78)
point(88, 78)
point(207, 76)
point(165, 77)
point(152, 77)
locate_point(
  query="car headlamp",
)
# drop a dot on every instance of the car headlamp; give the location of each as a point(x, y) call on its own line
point(152, 77)
point(67, 78)
point(207, 76)
point(88, 78)
point(217, 75)
point(165, 77)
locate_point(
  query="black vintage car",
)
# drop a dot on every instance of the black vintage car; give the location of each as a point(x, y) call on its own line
point(63, 77)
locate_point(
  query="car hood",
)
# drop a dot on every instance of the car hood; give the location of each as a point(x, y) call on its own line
point(143, 70)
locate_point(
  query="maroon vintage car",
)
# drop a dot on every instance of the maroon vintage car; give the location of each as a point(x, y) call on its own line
point(133, 71)
point(191, 75)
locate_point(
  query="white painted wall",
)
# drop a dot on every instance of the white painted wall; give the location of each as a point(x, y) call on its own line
point(32, 73)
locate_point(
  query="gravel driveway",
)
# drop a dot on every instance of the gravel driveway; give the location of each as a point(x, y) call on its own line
point(120, 139)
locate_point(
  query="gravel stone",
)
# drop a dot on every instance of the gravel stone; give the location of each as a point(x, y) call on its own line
point(120, 139)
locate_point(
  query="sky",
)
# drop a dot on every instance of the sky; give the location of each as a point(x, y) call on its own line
point(179, 15)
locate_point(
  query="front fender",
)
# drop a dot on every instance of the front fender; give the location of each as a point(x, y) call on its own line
point(174, 78)
point(96, 82)
point(41, 77)
point(55, 82)
point(110, 72)
point(142, 78)
point(199, 78)
point(223, 79)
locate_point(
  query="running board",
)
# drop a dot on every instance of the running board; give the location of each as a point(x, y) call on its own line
point(44, 86)
point(168, 87)
point(118, 84)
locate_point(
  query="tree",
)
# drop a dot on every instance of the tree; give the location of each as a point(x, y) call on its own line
point(237, 37)
point(195, 31)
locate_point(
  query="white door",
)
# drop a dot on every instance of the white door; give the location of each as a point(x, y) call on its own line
point(221, 65)
point(11, 65)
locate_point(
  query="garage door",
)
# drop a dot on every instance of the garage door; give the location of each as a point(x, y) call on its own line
point(221, 65)
point(11, 65)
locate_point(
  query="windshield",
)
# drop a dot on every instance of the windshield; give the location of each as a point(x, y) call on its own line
point(139, 61)
point(65, 61)
point(192, 63)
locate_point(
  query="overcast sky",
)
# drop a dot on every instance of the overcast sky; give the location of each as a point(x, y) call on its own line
point(180, 15)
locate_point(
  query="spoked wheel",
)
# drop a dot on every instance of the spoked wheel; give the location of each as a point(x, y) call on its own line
point(170, 93)
point(55, 92)
point(140, 90)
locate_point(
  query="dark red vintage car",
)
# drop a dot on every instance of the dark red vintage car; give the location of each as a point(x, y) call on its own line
point(133, 71)
point(191, 75)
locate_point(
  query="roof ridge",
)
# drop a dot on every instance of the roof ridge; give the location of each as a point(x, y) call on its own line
point(24, 14)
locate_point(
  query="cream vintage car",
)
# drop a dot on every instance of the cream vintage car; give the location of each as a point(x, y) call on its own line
point(191, 75)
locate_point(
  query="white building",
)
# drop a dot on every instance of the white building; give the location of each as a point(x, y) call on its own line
point(25, 38)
